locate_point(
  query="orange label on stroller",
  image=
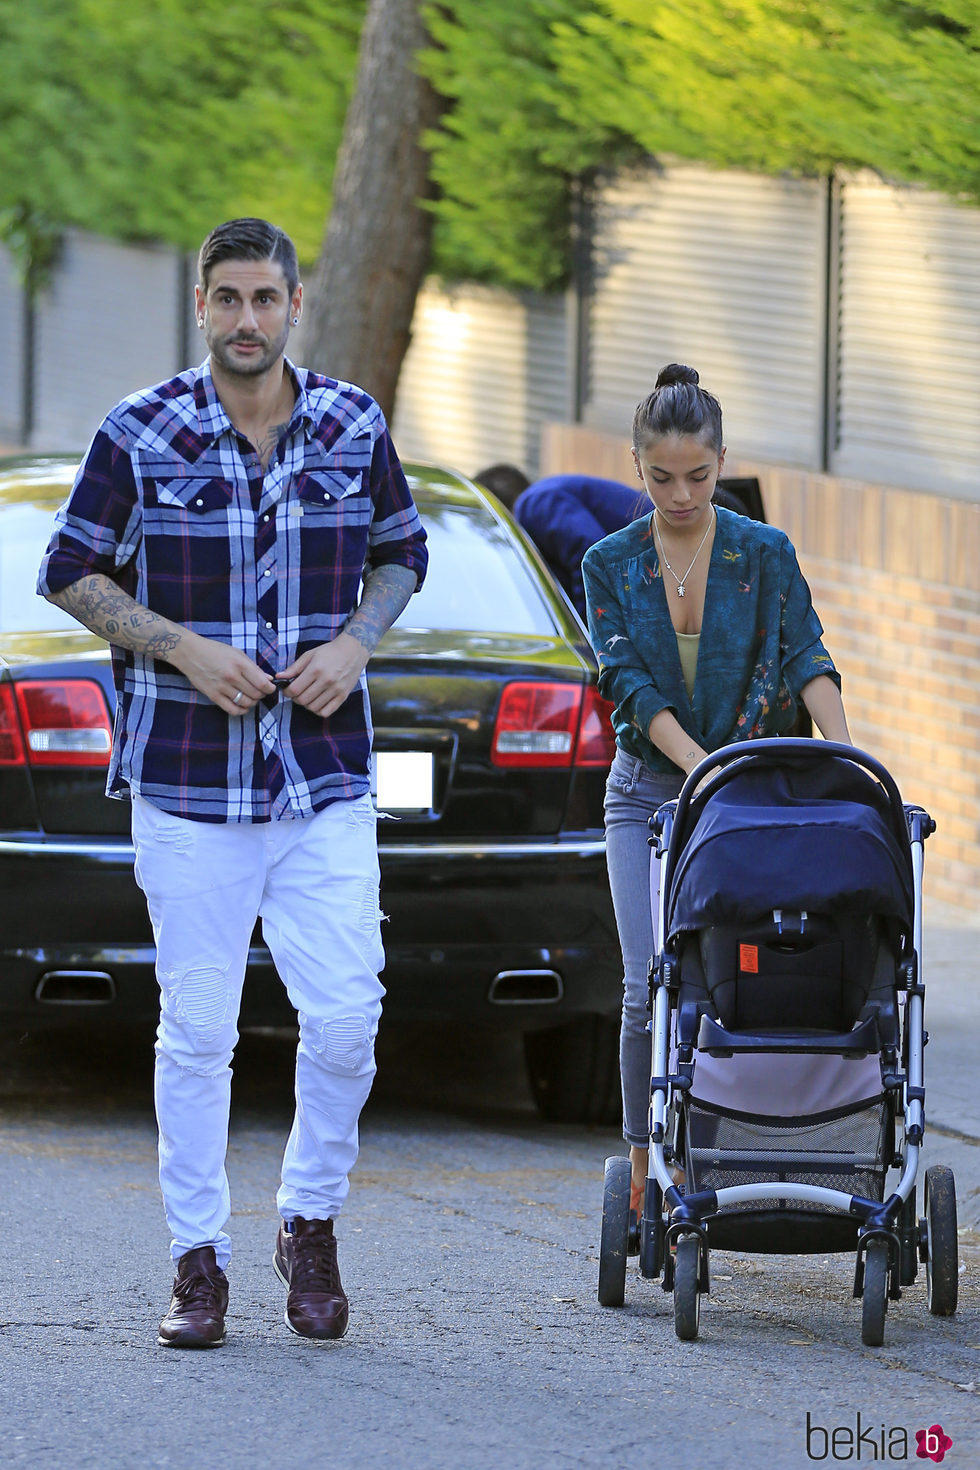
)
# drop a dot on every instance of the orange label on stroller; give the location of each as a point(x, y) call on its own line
point(748, 959)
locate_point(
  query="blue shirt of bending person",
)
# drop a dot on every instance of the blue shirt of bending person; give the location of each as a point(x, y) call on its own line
point(566, 514)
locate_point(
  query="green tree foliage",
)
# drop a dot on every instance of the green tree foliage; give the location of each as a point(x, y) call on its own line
point(802, 85)
point(505, 153)
point(153, 122)
point(542, 90)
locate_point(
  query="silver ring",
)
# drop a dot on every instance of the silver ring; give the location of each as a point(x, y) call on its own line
point(237, 697)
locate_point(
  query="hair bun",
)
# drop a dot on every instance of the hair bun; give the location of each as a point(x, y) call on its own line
point(676, 372)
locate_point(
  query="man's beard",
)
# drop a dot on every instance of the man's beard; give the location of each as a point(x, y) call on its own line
point(252, 366)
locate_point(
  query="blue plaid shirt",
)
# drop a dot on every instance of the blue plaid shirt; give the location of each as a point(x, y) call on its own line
point(173, 504)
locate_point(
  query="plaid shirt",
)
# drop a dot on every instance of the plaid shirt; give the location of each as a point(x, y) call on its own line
point(172, 503)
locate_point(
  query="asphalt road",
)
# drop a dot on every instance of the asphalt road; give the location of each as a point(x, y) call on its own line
point(469, 1250)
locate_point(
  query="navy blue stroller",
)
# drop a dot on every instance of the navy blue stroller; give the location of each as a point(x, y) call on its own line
point(787, 1034)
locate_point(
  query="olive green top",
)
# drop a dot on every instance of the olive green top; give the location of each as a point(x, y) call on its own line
point(687, 648)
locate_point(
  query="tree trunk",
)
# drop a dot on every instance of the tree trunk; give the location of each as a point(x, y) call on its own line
point(376, 249)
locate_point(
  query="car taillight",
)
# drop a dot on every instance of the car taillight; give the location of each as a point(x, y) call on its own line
point(596, 742)
point(536, 725)
point(11, 740)
point(556, 725)
point(62, 722)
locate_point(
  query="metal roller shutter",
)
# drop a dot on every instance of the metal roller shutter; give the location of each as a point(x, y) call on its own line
point(726, 271)
point(484, 370)
point(12, 363)
point(909, 350)
point(89, 354)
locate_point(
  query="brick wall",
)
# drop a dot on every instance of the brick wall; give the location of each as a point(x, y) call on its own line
point(895, 576)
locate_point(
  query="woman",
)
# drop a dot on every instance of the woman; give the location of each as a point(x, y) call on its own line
point(705, 634)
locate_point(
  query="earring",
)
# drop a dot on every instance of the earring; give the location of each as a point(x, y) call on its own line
point(200, 321)
point(295, 321)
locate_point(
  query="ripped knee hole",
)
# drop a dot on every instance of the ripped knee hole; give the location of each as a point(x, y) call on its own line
point(343, 1044)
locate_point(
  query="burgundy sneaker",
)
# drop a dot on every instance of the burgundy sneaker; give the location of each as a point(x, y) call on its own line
point(196, 1318)
point(305, 1261)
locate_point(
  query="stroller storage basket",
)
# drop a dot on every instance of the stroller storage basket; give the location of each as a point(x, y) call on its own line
point(847, 1151)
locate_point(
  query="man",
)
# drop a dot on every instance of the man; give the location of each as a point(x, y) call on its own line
point(216, 535)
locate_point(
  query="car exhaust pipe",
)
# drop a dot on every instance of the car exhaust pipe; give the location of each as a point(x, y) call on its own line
point(525, 988)
point(75, 988)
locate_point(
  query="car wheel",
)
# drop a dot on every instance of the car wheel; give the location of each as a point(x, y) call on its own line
point(574, 1070)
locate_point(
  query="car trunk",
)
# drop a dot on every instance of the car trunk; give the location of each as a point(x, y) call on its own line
point(435, 697)
point(439, 694)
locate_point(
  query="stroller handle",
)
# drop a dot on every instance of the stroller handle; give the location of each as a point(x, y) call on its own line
point(754, 752)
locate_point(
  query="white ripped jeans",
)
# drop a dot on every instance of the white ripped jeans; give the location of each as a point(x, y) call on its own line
point(314, 883)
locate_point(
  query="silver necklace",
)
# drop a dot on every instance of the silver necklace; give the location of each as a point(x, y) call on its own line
point(681, 589)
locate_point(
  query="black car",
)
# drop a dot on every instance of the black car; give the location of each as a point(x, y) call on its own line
point(490, 753)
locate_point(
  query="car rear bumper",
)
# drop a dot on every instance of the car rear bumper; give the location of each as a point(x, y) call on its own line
point(121, 852)
point(516, 934)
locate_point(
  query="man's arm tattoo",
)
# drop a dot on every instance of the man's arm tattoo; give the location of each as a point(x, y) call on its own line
point(104, 608)
point(387, 590)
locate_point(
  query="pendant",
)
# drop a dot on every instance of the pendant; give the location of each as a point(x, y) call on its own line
point(680, 589)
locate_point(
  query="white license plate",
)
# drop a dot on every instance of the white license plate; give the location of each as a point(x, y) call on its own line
point(402, 780)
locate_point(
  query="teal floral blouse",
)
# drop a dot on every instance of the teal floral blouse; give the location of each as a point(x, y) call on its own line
point(760, 637)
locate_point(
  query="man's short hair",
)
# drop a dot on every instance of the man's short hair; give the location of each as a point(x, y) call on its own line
point(248, 239)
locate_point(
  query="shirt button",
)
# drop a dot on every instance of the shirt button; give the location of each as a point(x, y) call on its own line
point(268, 573)
point(269, 626)
point(265, 517)
point(199, 502)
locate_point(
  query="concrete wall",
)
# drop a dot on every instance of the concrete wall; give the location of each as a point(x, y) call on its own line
point(895, 576)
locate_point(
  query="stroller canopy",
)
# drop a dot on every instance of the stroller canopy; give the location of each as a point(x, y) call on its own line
point(819, 834)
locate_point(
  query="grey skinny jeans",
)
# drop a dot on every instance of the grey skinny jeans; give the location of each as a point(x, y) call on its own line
point(633, 794)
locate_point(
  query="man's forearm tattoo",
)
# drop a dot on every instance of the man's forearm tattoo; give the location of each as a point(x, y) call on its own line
point(103, 608)
point(387, 590)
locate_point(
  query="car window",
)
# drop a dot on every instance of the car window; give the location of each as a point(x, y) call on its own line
point(478, 577)
point(26, 532)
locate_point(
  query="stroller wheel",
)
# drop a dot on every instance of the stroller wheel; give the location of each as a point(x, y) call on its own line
point(687, 1299)
point(614, 1236)
point(940, 1231)
point(874, 1301)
